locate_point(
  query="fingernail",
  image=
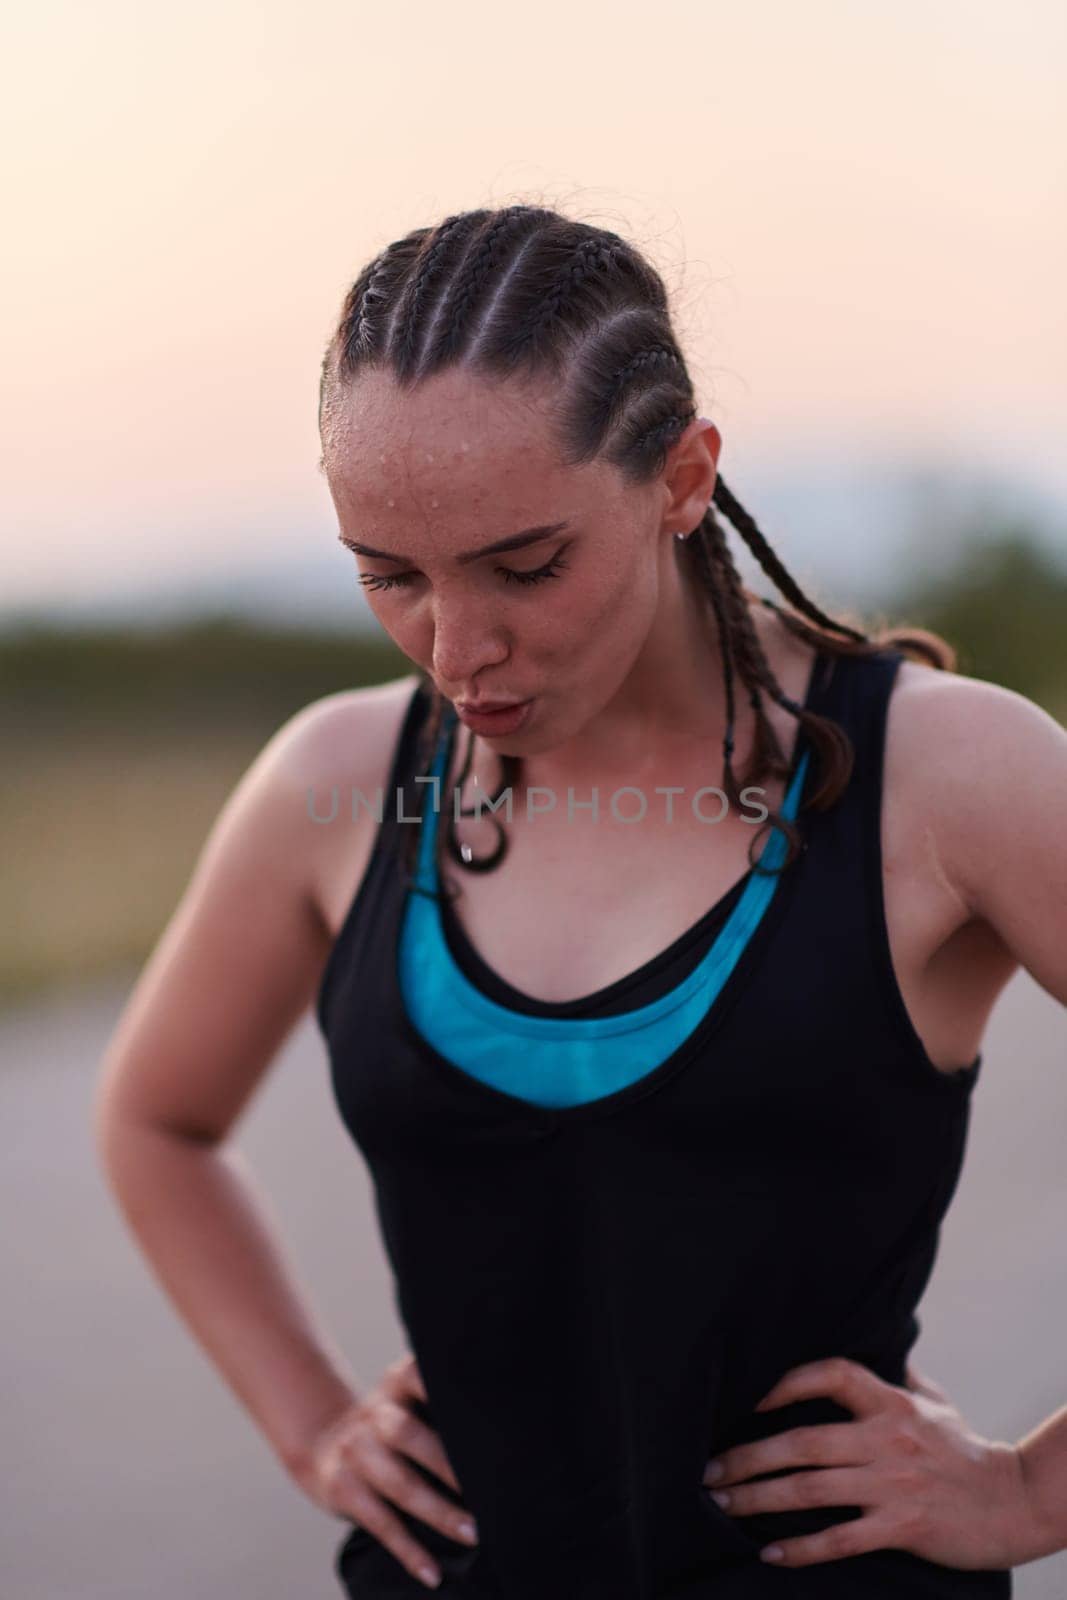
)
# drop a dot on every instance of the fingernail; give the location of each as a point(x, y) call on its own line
point(468, 1531)
point(771, 1552)
point(430, 1575)
point(712, 1471)
point(721, 1497)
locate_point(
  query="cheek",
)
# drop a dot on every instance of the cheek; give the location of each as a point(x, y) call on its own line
point(621, 610)
point(403, 628)
point(405, 624)
point(597, 637)
point(572, 622)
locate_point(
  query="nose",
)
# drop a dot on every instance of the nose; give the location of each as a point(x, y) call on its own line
point(466, 640)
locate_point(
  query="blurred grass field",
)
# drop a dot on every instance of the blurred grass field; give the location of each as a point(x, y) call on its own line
point(119, 750)
point(120, 747)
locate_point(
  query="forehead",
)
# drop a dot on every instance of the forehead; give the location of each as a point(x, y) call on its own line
point(454, 442)
point(443, 422)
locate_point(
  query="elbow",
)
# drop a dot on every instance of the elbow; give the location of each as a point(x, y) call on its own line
point(131, 1142)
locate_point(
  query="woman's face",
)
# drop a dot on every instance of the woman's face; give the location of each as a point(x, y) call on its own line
point(427, 477)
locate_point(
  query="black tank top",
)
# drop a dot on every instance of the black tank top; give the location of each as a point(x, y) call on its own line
point(656, 977)
point(599, 1294)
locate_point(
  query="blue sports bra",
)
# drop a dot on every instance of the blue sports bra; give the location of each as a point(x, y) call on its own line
point(566, 1059)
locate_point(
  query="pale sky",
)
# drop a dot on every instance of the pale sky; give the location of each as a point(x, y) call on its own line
point(860, 208)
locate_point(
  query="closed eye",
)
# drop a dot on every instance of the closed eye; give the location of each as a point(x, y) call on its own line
point(400, 580)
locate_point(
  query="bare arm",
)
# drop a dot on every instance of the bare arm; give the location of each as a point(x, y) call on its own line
point(237, 965)
point(1001, 832)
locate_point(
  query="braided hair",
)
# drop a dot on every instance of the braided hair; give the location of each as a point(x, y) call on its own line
point(524, 290)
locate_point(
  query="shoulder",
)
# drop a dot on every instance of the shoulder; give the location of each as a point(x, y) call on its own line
point(956, 731)
point(330, 748)
point(243, 953)
point(978, 772)
point(346, 737)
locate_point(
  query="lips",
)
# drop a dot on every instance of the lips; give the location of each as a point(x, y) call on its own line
point(478, 708)
point(491, 724)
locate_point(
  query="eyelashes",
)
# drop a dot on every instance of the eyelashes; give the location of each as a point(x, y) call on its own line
point(538, 575)
point(400, 580)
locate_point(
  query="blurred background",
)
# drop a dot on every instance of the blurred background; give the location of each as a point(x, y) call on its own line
point(861, 214)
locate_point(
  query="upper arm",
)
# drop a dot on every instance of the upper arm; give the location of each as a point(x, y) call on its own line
point(240, 959)
point(998, 792)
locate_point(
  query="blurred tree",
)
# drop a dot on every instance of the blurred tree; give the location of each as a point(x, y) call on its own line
point(1004, 608)
point(218, 672)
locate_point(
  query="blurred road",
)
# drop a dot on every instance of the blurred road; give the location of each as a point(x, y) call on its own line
point(130, 1470)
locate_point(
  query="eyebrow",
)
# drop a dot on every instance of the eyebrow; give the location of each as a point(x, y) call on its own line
point(514, 541)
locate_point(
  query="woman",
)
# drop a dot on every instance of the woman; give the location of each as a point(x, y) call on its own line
point(660, 1185)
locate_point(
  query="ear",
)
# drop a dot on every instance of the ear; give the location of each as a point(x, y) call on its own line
point(689, 475)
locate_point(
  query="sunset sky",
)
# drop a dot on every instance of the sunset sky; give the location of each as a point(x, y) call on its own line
point(860, 208)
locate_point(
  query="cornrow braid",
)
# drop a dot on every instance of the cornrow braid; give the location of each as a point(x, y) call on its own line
point(655, 355)
point(356, 339)
point(474, 276)
point(654, 443)
point(590, 257)
point(708, 552)
point(361, 333)
point(408, 323)
point(354, 342)
point(833, 747)
point(579, 308)
point(721, 577)
point(771, 564)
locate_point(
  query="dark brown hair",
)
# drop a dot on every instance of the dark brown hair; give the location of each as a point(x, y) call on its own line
point(527, 292)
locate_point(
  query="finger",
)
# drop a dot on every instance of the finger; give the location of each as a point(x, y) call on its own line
point(405, 1433)
point(428, 1449)
point(824, 1444)
point(402, 1377)
point(852, 1385)
point(360, 1505)
point(401, 1382)
point(423, 1442)
point(826, 1486)
point(404, 1488)
point(831, 1544)
point(921, 1384)
point(390, 1531)
point(412, 1378)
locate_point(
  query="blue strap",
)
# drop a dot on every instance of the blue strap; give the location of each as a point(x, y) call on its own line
point(562, 1060)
